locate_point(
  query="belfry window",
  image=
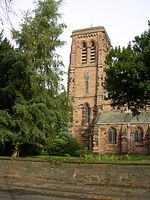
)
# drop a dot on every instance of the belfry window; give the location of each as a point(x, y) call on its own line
point(93, 52)
point(138, 135)
point(84, 53)
point(112, 136)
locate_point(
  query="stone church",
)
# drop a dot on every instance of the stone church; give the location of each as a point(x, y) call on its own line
point(94, 122)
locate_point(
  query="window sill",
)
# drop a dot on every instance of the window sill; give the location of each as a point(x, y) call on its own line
point(138, 144)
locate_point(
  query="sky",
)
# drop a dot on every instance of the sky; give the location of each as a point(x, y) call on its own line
point(122, 19)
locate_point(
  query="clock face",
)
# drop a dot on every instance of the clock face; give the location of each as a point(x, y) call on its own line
point(86, 74)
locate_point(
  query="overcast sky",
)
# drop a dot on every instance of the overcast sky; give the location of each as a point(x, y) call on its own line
point(122, 19)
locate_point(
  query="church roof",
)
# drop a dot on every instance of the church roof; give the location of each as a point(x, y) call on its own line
point(123, 117)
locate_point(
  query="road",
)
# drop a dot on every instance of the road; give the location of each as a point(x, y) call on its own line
point(26, 188)
point(22, 196)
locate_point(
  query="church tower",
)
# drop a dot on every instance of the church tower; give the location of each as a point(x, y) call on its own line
point(86, 75)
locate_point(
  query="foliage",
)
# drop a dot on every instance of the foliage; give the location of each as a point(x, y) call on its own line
point(34, 106)
point(128, 73)
point(63, 145)
point(13, 81)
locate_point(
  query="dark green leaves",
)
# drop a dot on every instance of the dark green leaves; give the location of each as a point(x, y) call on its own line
point(128, 73)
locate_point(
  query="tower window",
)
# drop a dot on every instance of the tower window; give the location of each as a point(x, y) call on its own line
point(84, 53)
point(112, 136)
point(86, 113)
point(86, 78)
point(93, 52)
point(86, 86)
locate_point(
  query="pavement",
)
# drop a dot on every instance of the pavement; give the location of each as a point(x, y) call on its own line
point(13, 187)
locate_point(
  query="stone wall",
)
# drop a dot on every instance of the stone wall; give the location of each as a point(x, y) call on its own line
point(107, 174)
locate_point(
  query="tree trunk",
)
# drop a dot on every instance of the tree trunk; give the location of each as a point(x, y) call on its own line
point(16, 151)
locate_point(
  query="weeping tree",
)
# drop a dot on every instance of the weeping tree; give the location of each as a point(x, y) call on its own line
point(40, 107)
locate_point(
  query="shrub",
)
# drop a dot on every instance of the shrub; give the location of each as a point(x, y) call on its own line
point(62, 145)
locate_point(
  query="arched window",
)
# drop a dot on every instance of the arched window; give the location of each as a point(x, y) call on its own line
point(93, 52)
point(138, 135)
point(84, 53)
point(112, 136)
point(86, 113)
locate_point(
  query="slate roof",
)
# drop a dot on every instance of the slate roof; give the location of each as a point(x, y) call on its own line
point(113, 117)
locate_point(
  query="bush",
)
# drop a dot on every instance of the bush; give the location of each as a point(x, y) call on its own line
point(85, 153)
point(63, 145)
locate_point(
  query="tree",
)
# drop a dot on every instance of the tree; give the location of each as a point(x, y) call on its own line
point(41, 110)
point(128, 73)
point(13, 76)
point(13, 88)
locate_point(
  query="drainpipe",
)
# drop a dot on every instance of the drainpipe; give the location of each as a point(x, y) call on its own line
point(128, 139)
